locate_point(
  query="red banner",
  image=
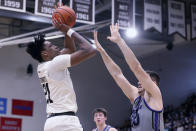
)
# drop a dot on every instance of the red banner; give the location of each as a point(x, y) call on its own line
point(22, 107)
point(10, 124)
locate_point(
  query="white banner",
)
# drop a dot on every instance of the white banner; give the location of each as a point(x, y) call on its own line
point(193, 22)
point(123, 12)
point(176, 18)
point(85, 10)
point(13, 5)
point(45, 7)
point(153, 15)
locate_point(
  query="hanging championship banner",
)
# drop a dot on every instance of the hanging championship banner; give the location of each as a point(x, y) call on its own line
point(123, 13)
point(85, 10)
point(45, 7)
point(153, 15)
point(193, 22)
point(176, 18)
point(13, 5)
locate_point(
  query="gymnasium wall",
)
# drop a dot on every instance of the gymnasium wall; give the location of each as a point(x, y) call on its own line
point(16, 84)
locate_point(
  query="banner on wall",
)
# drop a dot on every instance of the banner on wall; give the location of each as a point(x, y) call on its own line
point(13, 5)
point(176, 18)
point(85, 10)
point(10, 124)
point(153, 15)
point(45, 7)
point(22, 107)
point(193, 22)
point(123, 13)
point(3, 105)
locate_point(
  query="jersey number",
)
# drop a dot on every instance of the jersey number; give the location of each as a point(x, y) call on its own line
point(47, 93)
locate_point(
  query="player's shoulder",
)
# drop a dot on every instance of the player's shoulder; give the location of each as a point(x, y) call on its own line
point(61, 58)
point(113, 129)
point(41, 65)
point(110, 128)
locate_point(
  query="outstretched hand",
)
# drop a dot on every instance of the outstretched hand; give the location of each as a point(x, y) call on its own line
point(115, 35)
point(98, 45)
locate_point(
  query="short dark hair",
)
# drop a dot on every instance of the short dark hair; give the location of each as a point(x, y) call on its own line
point(154, 75)
point(35, 48)
point(96, 110)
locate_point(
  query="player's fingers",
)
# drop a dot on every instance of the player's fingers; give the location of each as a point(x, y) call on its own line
point(95, 36)
point(60, 21)
point(60, 4)
point(117, 26)
point(57, 4)
point(110, 28)
point(109, 37)
point(55, 21)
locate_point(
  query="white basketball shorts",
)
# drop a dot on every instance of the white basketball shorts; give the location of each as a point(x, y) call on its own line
point(63, 123)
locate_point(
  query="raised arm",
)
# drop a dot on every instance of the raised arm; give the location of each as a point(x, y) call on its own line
point(69, 45)
point(134, 64)
point(129, 90)
point(85, 50)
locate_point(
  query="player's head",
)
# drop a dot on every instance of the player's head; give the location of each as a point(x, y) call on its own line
point(41, 49)
point(155, 78)
point(100, 116)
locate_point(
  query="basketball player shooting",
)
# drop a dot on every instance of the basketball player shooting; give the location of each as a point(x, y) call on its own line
point(55, 78)
point(147, 112)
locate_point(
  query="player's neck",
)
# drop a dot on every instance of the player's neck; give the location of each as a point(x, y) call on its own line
point(101, 127)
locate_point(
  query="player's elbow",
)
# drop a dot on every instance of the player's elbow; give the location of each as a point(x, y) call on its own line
point(117, 74)
point(89, 51)
point(137, 68)
point(72, 50)
point(92, 50)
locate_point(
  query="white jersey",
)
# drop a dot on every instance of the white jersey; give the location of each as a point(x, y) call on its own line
point(57, 84)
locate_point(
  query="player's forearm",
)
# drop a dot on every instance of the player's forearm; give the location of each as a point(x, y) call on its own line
point(82, 42)
point(137, 69)
point(69, 43)
point(117, 75)
point(112, 67)
point(130, 58)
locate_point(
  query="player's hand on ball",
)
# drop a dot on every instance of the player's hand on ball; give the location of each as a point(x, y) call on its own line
point(56, 23)
point(64, 15)
point(60, 26)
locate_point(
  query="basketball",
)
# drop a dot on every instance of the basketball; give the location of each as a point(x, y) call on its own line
point(65, 14)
